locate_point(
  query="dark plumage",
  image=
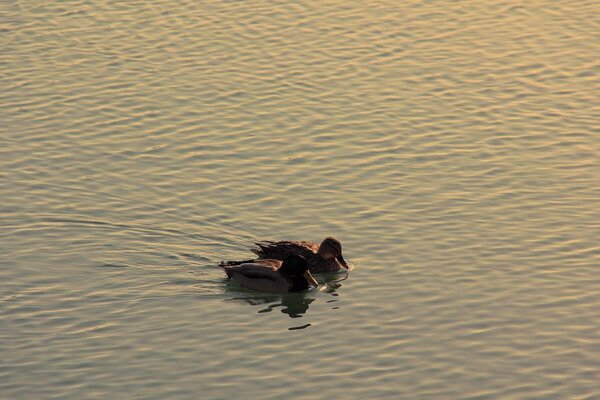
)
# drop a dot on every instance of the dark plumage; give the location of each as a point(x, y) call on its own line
point(326, 257)
point(291, 275)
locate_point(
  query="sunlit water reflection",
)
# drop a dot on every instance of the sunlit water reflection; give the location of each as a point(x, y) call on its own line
point(452, 148)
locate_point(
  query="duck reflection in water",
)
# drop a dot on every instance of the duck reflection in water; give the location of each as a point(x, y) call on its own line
point(295, 305)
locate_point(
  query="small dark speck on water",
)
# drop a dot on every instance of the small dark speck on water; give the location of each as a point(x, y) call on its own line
point(295, 328)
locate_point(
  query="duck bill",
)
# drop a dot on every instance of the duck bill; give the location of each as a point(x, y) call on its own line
point(310, 278)
point(342, 261)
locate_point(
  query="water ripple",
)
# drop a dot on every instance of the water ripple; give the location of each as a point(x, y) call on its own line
point(451, 147)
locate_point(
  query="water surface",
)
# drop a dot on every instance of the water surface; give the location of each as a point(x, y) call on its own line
point(452, 147)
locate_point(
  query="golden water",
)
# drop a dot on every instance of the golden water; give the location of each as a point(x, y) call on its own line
point(452, 147)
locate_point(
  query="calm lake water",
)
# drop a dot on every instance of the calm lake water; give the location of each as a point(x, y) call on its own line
point(452, 147)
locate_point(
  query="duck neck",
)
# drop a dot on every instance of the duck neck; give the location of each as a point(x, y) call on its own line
point(297, 283)
point(322, 256)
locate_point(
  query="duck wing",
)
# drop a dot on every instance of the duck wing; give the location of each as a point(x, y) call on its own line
point(266, 267)
point(275, 264)
point(261, 276)
point(280, 250)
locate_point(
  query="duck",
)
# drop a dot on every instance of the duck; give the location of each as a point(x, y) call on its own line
point(326, 257)
point(273, 276)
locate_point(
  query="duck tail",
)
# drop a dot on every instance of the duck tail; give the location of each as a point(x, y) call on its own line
point(263, 248)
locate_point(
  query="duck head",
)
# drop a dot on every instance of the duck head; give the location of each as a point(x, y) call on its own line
point(332, 248)
point(295, 269)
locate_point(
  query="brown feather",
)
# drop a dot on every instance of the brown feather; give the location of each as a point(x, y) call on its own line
point(308, 250)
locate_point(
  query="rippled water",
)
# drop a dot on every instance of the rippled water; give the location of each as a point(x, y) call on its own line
point(452, 147)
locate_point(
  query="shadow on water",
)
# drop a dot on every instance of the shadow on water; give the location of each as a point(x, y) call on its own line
point(295, 305)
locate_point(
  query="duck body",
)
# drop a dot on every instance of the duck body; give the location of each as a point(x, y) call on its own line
point(326, 257)
point(273, 276)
